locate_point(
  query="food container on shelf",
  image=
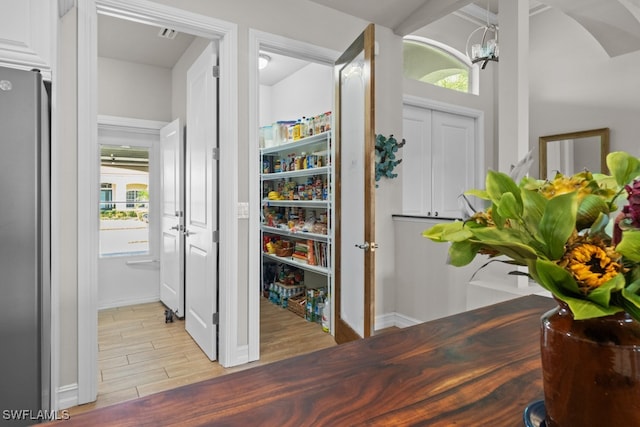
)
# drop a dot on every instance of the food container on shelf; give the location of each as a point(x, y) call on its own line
point(266, 137)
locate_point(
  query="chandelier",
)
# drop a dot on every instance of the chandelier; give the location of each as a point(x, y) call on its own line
point(485, 49)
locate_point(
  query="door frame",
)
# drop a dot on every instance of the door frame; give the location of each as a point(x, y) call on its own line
point(285, 46)
point(145, 11)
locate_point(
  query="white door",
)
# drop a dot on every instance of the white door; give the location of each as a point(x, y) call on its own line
point(453, 157)
point(172, 205)
point(355, 193)
point(440, 161)
point(416, 128)
point(201, 219)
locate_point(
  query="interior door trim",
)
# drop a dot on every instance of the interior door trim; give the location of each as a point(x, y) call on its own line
point(230, 350)
point(365, 42)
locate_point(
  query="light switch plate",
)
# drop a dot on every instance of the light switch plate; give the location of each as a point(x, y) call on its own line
point(243, 210)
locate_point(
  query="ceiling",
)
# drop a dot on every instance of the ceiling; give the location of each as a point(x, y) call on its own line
point(140, 43)
point(135, 42)
point(615, 24)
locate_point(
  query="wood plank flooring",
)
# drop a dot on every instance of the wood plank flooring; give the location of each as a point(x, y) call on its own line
point(139, 354)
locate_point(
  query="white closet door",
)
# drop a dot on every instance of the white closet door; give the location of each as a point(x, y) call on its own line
point(453, 161)
point(172, 204)
point(416, 175)
point(201, 222)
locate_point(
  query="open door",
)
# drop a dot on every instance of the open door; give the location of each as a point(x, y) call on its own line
point(172, 204)
point(355, 189)
point(201, 216)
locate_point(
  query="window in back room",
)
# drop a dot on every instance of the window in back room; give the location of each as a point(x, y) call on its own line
point(124, 200)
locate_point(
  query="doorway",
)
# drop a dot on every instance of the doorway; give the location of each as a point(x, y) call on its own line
point(128, 236)
point(88, 188)
point(261, 43)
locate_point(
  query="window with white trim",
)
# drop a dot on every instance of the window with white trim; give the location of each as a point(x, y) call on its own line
point(436, 63)
point(124, 200)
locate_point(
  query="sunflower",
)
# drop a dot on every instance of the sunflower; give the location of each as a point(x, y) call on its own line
point(564, 184)
point(483, 218)
point(591, 264)
point(582, 182)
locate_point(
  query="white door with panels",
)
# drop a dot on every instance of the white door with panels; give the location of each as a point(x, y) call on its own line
point(172, 205)
point(439, 161)
point(453, 154)
point(201, 213)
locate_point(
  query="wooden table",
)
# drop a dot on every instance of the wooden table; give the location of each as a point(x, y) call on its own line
point(476, 368)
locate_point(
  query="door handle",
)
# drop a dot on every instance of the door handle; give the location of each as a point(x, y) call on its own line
point(175, 227)
point(368, 246)
point(187, 233)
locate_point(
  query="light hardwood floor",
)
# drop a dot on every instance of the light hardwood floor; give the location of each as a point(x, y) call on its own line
point(140, 354)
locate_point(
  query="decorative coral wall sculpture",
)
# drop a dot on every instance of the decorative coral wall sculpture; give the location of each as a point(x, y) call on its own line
point(386, 157)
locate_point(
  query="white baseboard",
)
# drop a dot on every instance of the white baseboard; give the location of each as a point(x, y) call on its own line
point(394, 319)
point(125, 302)
point(67, 396)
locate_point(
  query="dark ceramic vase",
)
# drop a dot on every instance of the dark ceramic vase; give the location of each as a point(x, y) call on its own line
point(591, 369)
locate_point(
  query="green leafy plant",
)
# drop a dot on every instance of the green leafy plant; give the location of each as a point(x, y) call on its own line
point(386, 149)
point(567, 231)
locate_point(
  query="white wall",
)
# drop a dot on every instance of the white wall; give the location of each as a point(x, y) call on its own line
point(575, 86)
point(307, 92)
point(128, 89)
point(426, 288)
point(265, 99)
point(389, 192)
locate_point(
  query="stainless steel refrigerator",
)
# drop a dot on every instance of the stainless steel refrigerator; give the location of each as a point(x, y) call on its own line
point(25, 258)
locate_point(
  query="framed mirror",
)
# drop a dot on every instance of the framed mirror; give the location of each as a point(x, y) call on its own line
point(573, 152)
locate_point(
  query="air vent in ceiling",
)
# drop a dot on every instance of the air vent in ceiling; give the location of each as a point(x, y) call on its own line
point(167, 33)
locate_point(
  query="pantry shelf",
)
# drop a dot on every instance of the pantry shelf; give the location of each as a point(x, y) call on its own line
point(303, 265)
point(296, 234)
point(294, 146)
point(297, 203)
point(296, 173)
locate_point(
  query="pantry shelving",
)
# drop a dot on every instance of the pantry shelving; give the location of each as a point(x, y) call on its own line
point(296, 229)
point(295, 234)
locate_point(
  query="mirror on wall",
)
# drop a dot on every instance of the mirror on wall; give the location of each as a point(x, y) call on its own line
point(573, 152)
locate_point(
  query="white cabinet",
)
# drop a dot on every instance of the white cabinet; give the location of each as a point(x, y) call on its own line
point(26, 34)
point(296, 217)
point(439, 161)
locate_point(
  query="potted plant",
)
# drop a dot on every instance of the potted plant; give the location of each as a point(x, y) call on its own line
point(578, 245)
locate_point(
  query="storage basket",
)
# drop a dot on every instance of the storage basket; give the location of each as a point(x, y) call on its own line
point(284, 252)
point(297, 305)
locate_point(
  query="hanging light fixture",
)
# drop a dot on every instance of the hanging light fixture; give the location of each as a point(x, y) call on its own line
point(485, 49)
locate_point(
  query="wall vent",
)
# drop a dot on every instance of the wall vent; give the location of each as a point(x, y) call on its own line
point(167, 33)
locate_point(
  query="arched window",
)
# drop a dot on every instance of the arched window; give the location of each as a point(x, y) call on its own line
point(433, 62)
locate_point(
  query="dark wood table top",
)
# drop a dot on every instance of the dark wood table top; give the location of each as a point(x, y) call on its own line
point(478, 368)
